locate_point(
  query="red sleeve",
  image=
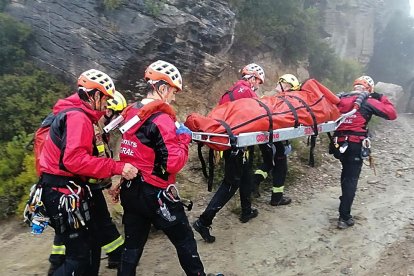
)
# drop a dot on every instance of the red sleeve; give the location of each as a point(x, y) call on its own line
point(176, 145)
point(77, 156)
point(383, 108)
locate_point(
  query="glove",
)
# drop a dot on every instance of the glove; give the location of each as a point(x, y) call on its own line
point(376, 96)
point(183, 130)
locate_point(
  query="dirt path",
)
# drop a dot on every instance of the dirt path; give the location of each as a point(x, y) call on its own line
point(299, 239)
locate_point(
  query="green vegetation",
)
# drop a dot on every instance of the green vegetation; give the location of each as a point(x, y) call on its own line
point(292, 32)
point(335, 73)
point(27, 96)
point(283, 26)
point(17, 173)
point(154, 7)
point(3, 4)
point(112, 4)
point(13, 37)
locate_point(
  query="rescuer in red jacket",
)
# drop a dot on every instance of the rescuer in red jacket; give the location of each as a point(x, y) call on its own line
point(237, 162)
point(159, 150)
point(67, 163)
point(252, 76)
point(351, 143)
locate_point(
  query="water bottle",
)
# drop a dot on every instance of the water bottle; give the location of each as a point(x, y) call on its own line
point(38, 226)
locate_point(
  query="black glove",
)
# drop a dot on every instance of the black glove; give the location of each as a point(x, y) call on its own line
point(376, 95)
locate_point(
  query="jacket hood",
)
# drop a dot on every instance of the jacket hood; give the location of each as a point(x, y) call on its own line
point(75, 101)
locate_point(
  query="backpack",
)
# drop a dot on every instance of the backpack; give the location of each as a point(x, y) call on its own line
point(41, 133)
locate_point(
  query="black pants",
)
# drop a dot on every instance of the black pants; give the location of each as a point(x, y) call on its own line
point(102, 229)
point(351, 168)
point(78, 242)
point(277, 164)
point(237, 174)
point(141, 209)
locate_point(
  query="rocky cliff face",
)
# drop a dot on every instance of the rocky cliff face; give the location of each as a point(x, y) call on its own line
point(352, 25)
point(73, 36)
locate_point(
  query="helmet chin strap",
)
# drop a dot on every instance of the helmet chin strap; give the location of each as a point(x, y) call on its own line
point(281, 86)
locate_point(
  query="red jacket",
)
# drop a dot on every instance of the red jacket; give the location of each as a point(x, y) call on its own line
point(154, 148)
point(76, 156)
point(355, 126)
point(241, 89)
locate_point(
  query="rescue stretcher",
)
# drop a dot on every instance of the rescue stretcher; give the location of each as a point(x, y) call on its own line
point(262, 137)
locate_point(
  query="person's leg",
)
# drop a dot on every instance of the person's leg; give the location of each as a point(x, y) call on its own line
point(226, 190)
point(263, 171)
point(106, 232)
point(279, 173)
point(182, 238)
point(224, 193)
point(136, 226)
point(57, 256)
point(245, 170)
point(77, 258)
point(351, 169)
point(76, 242)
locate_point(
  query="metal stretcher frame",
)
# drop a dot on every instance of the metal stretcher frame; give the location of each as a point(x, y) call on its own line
point(281, 134)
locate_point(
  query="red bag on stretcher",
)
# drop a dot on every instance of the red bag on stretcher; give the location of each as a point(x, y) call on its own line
point(313, 104)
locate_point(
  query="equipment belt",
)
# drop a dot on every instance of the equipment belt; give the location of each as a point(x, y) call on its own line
point(349, 133)
point(58, 181)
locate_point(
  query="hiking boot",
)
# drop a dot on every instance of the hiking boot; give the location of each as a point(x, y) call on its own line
point(343, 224)
point(204, 231)
point(246, 217)
point(284, 200)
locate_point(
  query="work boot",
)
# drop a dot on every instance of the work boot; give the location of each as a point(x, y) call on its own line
point(204, 231)
point(278, 199)
point(114, 258)
point(343, 224)
point(245, 217)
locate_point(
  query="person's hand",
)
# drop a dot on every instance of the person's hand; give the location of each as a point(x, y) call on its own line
point(129, 171)
point(376, 95)
point(114, 191)
point(183, 130)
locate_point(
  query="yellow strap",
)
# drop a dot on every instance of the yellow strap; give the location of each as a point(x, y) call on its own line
point(58, 250)
point(278, 189)
point(101, 146)
point(101, 149)
point(108, 248)
point(262, 173)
